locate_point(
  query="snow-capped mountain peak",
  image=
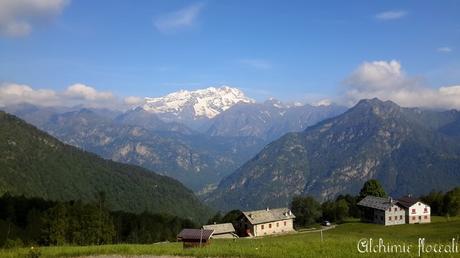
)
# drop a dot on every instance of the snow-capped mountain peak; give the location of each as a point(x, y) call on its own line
point(207, 102)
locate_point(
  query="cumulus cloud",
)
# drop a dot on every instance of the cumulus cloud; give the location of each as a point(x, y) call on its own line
point(76, 94)
point(18, 16)
point(19, 93)
point(388, 81)
point(182, 18)
point(390, 15)
point(81, 91)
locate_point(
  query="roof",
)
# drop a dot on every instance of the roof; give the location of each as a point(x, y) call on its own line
point(195, 234)
point(379, 203)
point(220, 228)
point(268, 215)
point(407, 201)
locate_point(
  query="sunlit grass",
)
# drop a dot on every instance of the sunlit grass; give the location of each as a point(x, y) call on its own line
point(338, 242)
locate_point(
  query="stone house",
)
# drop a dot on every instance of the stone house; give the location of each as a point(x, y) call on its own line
point(385, 211)
point(266, 222)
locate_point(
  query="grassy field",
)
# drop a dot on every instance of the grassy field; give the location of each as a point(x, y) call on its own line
point(339, 242)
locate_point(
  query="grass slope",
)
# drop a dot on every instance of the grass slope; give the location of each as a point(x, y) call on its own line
point(34, 164)
point(338, 242)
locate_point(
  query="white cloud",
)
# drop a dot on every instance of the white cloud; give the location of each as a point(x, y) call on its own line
point(391, 15)
point(444, 49)
point(387, 81)
point(18, 93)
point(133, 101)
point(260, 64)
point(182, 18)
point(76, 94)
point(18, 16)
point(81, 91)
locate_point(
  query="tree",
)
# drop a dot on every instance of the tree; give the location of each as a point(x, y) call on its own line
point(306, 209)
point(217, 218)
point(452, 202)
point(335, 211)
point(372, 187)
point(353, 209)
point(231, 217)
point(436, 202)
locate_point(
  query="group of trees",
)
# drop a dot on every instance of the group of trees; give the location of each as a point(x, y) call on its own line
point(31, 221)
point(309, 211)
point(444, 204)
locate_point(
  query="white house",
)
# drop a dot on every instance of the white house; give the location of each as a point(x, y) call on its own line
point(416, 211)
point(266, 222)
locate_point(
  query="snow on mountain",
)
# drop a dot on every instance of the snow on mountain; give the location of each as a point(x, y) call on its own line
point(207, 102)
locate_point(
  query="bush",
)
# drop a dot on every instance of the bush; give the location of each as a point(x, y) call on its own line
point(13, 243)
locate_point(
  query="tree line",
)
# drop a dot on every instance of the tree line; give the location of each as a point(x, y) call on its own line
point(35, 221)
point(309, 211)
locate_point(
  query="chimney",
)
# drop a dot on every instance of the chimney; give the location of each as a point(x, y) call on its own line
point(268, 209)
point(390, 199)
point(289, 212)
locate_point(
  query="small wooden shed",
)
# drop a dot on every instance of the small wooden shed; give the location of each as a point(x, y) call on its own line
point(191, 237)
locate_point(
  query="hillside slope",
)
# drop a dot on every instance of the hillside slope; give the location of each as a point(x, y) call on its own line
point(34, 164)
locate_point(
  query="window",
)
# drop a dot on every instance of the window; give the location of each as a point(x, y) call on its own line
point(270, 225)
point(413, 217)
point(426, 217)
point(400, 217)
point(262, 226)
point(413, 210)
point(396, 217)
point(425, 210)
point(285, 223)
point(390, 209)
point(389, 218)
point(277, 224)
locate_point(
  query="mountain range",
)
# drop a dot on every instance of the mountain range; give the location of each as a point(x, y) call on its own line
point(198, 137)
point(238, 153)
point(409, 150)
point(34, 164)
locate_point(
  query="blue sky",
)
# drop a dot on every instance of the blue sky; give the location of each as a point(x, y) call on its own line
point(287, 49)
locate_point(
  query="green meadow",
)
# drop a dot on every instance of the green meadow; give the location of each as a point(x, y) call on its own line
point(341, 241)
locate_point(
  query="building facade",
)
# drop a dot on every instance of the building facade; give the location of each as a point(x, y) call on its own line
point(385, 211)
point(416, 211)
point(266, 222)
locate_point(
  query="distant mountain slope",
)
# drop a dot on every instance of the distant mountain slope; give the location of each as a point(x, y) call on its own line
point(195, 160)
point(269, 120)
point(159, 137)
point(35, 164)
point(150, 121)
point(403, 148)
